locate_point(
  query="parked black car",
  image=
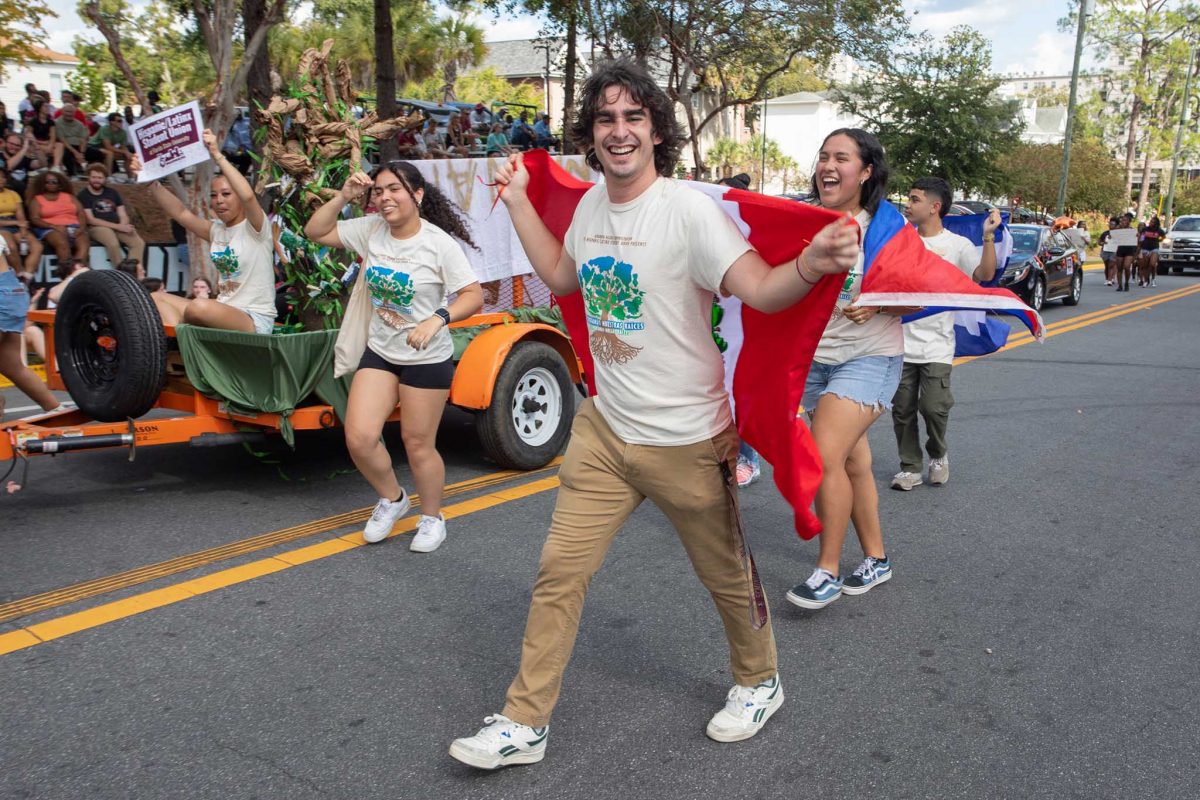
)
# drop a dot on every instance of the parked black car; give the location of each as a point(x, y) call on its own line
point(1043, 266)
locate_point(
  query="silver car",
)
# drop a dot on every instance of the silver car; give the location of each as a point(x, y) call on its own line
point(1180, 248)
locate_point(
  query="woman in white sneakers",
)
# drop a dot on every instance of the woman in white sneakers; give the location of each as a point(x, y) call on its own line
point(242, 246)
point(395, 332)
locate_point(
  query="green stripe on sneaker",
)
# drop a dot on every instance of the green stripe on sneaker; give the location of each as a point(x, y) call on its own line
point(508, 750)
point(538, 740)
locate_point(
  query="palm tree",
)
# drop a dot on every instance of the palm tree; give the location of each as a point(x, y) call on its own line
point(459, 45)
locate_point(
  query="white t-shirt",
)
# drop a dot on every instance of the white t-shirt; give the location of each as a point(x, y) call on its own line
point(930, 340)
point(844, 340)
point(648, 270)
point(408, 280)
point(245, 262)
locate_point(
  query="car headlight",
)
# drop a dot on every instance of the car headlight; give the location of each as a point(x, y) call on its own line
point(1166, 242)
point(1019, 274)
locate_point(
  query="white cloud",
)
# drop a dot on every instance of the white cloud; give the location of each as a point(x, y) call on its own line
point(503, 29)
point(980, 16)
point(1050, 54)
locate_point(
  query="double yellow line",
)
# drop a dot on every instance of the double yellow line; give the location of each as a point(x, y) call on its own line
point(58, 627)
point(1091, 318)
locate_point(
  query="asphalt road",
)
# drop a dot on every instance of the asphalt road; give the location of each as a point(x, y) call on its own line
point(1038, 639)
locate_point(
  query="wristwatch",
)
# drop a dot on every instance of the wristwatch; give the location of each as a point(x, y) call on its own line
point(444, 314)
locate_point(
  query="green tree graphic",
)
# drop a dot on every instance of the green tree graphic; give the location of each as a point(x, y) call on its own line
point(391, 286)
point(718, 314)
point(226, 262)
point(610, 291)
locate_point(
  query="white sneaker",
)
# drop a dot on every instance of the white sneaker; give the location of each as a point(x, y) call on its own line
point(747, 709)
point(431, 532)
point(384, 517)
point(501, 743)
point(905, 481)
point(939, 470)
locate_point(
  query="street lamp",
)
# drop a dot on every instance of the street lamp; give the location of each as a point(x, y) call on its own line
point(1085, 8)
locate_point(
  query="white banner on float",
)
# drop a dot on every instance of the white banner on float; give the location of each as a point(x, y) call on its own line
point(169, 141)
point(462, 180)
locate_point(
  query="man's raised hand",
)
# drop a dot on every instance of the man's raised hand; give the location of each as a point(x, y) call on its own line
point(513, 177)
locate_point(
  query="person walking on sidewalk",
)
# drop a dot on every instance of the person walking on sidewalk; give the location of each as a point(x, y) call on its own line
point(929, 342)
point(660, 425)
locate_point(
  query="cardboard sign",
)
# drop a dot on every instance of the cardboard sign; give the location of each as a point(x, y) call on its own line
point(169, 141)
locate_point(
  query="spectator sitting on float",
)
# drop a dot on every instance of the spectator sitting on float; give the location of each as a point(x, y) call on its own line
point(57, 216)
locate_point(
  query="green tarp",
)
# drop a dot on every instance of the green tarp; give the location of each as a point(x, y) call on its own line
point(258, 373)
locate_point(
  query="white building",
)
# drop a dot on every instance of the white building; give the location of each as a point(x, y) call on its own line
point(49, 72)
point(800, 122)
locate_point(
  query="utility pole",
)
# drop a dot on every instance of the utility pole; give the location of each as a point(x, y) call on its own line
point(1184, 116)
point(1085, 8)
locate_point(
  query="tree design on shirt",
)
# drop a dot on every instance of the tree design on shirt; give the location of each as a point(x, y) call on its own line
point(226, 263)
point(392, 292)
point(718, 315)
point(610, 292)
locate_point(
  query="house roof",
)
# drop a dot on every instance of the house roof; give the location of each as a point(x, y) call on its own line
point(523, 58)
point(43, 55)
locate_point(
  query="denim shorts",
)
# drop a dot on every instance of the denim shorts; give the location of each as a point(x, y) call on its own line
point(14, 303)
point(871, 381)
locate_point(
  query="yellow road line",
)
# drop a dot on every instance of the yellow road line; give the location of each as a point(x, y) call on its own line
point(123, 580)
point(1094, 319)
point(38, 369)
point(68, 624)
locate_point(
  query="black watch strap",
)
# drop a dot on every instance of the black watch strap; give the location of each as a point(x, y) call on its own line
point(444, 314)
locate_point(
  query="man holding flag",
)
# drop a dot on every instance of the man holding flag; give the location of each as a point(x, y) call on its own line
point(929, 341)
point(648, 253)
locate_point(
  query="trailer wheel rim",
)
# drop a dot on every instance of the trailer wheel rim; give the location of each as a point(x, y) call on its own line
point(537, 407)
point(94, 346)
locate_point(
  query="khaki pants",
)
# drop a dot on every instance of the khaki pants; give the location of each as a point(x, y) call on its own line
point(112, 241)
point(924, 388)
point(603, 480)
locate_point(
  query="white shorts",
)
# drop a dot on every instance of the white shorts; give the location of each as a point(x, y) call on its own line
point(263, 323)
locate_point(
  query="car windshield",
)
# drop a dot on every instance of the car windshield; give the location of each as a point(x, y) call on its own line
point(1024, 240)
point(1186, 225)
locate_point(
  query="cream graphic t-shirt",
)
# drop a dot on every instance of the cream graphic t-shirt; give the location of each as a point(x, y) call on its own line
point(408, 280)
point(648, 270)
point(930, 340)
point(244, 259)
point(844, 340)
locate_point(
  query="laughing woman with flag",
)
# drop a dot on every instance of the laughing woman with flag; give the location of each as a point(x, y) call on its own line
point(854, 374)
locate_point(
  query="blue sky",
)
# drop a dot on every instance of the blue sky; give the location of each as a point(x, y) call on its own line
point(1024, 35)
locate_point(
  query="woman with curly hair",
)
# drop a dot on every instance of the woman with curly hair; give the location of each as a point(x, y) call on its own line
point(411, 265)
point(242, 247)
point(56, 216)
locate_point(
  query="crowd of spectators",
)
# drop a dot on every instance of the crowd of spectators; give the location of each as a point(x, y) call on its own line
point(477, 133)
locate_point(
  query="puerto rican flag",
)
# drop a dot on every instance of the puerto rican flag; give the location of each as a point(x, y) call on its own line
point(767, 356)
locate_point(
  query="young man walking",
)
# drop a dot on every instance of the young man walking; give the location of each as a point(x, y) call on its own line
point(929, 342)
point(660, 425)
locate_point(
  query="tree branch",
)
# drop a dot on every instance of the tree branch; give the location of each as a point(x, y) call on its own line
point(92, 11)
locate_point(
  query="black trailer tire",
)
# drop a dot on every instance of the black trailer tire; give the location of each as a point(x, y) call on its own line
point(110, 345)
point(533, 403)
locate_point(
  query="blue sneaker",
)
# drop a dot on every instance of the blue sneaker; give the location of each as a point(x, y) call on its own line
point(821, 589)
point(870, 573)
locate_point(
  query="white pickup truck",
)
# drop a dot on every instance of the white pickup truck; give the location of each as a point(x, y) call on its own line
point(1180, 248)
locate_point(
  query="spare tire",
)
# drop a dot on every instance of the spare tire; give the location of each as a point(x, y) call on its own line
point(110, 345)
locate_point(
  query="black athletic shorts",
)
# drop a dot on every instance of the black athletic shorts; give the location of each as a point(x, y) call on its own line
point(418, 376)
point(1127, 250)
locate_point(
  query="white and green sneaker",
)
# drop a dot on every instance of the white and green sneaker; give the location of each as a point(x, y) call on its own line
point(502, 743)
point(747, 709)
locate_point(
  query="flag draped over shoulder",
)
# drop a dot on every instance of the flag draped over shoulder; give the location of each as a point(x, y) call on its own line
point(901, 271)
point(776, 349)
point(768, 355)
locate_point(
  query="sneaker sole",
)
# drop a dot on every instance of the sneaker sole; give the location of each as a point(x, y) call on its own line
point(479, 761)
point(857, 590)
point(804, 602)
point(942, 482)
point(377, 539)
point(900, 487)
point(425, 548)
point(717, 735)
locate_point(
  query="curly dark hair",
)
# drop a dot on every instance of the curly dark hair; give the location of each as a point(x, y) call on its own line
point(435, 206)
point(870, 150)
point(641, 88)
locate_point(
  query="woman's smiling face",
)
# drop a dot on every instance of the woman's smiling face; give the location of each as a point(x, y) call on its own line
point(841, 173)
